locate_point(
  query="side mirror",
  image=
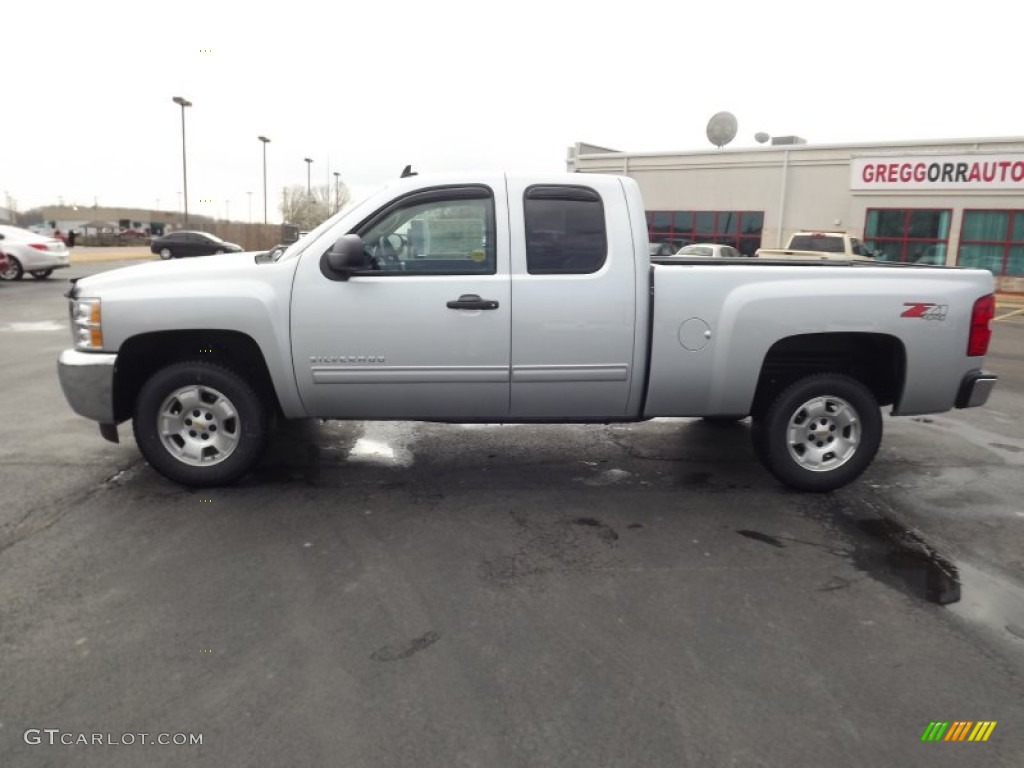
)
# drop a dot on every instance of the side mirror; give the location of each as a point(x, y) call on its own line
point(346, 256)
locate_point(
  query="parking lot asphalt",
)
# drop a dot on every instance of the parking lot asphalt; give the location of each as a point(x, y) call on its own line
point(399, 594)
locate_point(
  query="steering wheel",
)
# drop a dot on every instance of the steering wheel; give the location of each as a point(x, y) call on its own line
point(384, 252)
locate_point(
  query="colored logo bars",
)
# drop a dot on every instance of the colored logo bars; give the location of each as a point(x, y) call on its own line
point(959, 730)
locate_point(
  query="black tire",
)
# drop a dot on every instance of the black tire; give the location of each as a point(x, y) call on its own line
point(820, 433)
point(166, 253)
point(14, 269)
point(200, 424)
point(41, 274)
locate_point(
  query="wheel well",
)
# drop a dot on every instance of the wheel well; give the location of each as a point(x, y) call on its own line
point(143, 355)
point(876, 360)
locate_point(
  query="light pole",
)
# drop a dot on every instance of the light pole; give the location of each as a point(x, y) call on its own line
point(309, 164)
point(337, 195)
point(265, 141)
point(183, 102)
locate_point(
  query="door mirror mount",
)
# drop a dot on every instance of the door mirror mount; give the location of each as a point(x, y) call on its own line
point(344, 258)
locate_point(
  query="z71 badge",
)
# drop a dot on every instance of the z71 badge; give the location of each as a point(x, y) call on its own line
point(925, 310)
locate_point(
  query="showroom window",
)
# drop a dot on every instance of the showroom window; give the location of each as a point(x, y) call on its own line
point(668, 231)
point(993, 240)
point(908, 234)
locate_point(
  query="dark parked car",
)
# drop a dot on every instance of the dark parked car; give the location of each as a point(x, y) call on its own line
point(174, 245)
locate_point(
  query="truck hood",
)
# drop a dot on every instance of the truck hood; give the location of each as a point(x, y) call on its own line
point(166, 273)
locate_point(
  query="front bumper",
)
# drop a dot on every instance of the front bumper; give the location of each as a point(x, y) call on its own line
point(975, 389)
point(87, 379)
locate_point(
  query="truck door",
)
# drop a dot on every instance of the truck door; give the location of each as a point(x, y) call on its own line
point(574, 290)
point(422, 333)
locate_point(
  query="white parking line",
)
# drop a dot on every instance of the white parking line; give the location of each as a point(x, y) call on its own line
point(43, 325)
point(1008, 315)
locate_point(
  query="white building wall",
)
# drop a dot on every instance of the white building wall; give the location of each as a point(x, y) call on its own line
point(798, 187)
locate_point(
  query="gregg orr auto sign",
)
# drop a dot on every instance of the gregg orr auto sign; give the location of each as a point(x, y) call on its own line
point(980, 172)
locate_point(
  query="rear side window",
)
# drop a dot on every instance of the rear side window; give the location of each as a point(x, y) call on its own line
point(823, 243)
point(565, 230)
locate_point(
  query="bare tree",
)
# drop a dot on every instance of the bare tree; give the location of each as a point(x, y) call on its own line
point(29, 217)
point(308, 209)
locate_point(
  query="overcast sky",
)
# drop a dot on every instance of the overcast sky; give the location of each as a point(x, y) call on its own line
point(87, 109)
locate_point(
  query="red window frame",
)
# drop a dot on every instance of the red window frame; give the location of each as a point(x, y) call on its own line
point(1006, 243)
point(904, 241)
point(679, 237)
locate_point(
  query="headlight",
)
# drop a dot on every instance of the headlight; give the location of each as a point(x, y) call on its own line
point(86, 324)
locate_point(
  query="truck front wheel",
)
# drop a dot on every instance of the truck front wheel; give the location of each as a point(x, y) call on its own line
point(199, 424)
point(820, 433)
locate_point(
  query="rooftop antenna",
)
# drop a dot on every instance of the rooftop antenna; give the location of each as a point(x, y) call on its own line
point(407, 172)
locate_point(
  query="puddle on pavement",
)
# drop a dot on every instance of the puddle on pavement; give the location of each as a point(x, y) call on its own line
point(384, 443)
point(975, 595)
point(914, 561)
point(992, 601)
point(1011, 451)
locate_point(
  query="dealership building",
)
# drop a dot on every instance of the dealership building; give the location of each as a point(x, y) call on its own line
point(953, 202)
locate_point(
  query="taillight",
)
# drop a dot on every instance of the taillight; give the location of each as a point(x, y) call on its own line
point(983, 312)
point(40, 246)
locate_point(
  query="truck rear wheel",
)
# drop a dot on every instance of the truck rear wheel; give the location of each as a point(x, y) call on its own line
point(200, 424)
point(820, 433)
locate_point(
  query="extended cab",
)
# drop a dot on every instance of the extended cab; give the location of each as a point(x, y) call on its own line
point(819, 246)
point(509, 299)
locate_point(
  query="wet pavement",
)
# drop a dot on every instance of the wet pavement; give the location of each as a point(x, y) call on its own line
point(384, 594)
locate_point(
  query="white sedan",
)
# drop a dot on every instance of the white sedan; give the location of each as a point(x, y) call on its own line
point(709, 250)
point(28, 252)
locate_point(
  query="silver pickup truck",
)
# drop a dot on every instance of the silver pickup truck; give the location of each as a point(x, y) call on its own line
point(508, 299)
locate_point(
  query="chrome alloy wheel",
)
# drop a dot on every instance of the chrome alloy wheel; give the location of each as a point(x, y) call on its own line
point(198, 425)
point(823, 433)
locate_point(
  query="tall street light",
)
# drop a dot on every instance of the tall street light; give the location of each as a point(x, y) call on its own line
point(309, 164)
point(337, 192)
point(183, 102)
point(265, 141)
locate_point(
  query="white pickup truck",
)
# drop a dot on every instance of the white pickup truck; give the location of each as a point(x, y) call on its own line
point(507, 299)
point(819, 246)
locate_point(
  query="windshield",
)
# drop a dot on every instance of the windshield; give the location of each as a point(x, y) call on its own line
point(696, 250)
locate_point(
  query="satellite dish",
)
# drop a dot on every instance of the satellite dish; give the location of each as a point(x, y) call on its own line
point(761, 137)
point(722, 128)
